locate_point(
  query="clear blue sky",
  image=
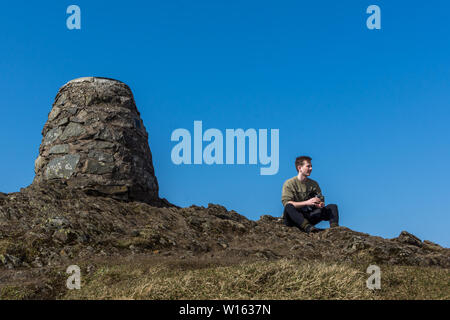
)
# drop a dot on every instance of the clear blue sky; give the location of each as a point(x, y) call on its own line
point(371, 107)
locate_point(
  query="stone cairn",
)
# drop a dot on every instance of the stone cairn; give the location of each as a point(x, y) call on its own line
point(95, 140)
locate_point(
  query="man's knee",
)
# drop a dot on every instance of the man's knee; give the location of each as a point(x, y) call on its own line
point(289, 207)
point(332, 206)
point(332, 214)
point(286, 219)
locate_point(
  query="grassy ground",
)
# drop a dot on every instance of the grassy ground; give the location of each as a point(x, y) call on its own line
point(281, 279)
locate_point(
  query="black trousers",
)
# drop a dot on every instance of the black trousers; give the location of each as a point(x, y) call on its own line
point(296, 217)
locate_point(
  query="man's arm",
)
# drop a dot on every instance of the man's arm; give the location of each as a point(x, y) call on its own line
point(310, 202)
point(287, 196)
point(318, 193)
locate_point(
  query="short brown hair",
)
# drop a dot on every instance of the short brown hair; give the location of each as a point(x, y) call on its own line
point(299, 161)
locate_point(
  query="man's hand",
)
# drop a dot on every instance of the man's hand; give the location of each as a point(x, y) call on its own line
point(313, 202)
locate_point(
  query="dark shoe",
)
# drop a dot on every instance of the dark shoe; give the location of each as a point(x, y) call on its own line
point(311, 229)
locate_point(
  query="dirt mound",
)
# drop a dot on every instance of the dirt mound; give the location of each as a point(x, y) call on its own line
point(53, 224)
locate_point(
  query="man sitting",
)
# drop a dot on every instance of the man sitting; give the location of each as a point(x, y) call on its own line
point(303, 201)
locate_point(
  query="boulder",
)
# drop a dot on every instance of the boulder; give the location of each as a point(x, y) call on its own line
point(95, 140)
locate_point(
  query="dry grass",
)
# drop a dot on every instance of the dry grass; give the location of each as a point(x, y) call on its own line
point(283, 279)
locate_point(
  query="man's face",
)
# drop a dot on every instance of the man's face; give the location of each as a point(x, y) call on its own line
point(305, 168)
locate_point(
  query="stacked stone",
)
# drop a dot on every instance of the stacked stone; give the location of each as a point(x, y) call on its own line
point(95, 140)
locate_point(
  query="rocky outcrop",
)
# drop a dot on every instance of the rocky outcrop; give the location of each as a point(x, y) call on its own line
point(95, 140)
point(53, 224)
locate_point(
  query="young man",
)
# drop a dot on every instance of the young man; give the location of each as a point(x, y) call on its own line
point(303, 200)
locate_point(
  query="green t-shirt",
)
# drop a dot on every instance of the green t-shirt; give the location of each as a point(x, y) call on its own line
point(294, 190)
